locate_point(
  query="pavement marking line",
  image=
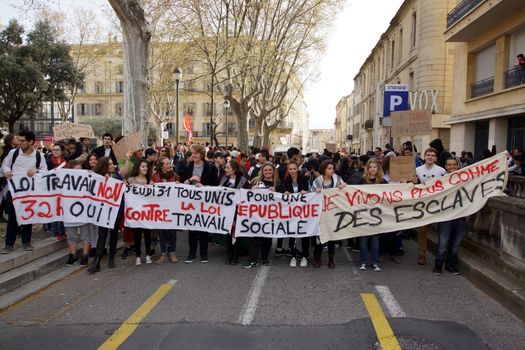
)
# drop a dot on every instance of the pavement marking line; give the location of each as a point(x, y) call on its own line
point(390, 302)
point(384, 333)
point(249, 308)
point(129, 326)
point(349, 258)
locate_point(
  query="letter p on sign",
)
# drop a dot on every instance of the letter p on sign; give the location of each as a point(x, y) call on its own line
point(396, 98)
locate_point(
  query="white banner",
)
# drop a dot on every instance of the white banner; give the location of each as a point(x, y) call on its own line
point(71, 196)
point(263, 213)
point(372, 209)
point(182, 207)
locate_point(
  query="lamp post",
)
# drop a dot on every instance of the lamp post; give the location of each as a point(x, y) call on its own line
point(177, 73)
point(226, 107)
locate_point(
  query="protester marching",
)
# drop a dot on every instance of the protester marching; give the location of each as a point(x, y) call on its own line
point(318, 202)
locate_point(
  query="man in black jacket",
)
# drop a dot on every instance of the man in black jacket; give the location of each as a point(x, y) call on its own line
point(106, 149)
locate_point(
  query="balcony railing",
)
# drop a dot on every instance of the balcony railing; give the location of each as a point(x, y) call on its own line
point(515, 77)
point(461, 11)
point(482, 87)
point(284, 125)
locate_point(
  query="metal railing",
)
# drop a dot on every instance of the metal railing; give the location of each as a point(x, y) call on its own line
point(461, 11)
point(515, 77)
point(482, 87)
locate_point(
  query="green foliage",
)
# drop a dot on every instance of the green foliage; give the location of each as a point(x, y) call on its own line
point(102, 125)
point(38, 70)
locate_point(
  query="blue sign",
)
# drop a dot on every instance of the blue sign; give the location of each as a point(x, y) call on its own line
point(396, 98)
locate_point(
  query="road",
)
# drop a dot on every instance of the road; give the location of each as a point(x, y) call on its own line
point(215, 306)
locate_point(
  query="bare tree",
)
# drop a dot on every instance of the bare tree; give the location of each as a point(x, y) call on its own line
point(136, 36)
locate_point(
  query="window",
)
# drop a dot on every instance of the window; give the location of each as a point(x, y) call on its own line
point(119, 69)
point(414, 30)
point(231, 129)
point(119, 87)
point(411, 82)
point(400, 46)
point(99, 87)
point(189, 108)
point(187, 85)
point(82, 109)
point(206, 108)
point(206, 129)
point(83, 88)
point(97, 108)
point(517, 46)
point(485, 63)
point(392, 54)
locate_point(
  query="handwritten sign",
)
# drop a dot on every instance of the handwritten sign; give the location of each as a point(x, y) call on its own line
point(132, 142)
point(71, 196)
point(263, 213)
point(184, 207)
point(372, 209)
point(402, 168)
point(410, 123)
point(72, 131)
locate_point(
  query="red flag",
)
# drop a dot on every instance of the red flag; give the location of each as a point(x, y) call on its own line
point(187, 127)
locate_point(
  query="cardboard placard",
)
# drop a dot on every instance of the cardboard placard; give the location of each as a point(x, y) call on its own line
point(411, 123)
point(402, 168)
point(132, 142)
point(330, 147)
point(72, 131)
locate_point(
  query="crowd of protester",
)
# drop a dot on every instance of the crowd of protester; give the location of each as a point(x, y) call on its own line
point(206, 165)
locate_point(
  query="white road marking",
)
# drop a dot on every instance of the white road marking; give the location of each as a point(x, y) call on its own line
point(390, 302)
point(349, 257)
point(248, 311)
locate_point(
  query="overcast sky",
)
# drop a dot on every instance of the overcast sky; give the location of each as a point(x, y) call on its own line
point(357, 30)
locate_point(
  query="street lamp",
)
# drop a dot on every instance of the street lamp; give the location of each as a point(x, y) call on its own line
point(177, 74)
point(226, 107)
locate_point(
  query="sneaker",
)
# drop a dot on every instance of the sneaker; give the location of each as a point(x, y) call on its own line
point(250, 264)
point(204, 260)
point(71, 260)
point(84, 260)
point(173, 258)
point(325, 248)
point(189, 259)
point(280, 252)
point(437, 270)
point(304, 262)
point(148, 259)
point(93, 252)
point(265, 263)
point(452, 270)
point(162, 259)
point(28, 247)
point(7, 250)
point(293, 262)
point(376, 267)
point(362, 267)
point(138, 262)
point(60, 237)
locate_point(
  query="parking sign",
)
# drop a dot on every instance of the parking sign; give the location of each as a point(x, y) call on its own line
point(396, 98)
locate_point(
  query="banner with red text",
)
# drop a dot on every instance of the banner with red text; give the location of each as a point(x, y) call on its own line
point(71, 196)
point(263, 213)
point(183, 207)
point(372, 209)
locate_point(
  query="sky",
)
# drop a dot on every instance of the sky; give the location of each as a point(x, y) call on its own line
point(355, 33)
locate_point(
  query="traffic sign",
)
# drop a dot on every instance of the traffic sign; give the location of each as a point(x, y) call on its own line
point(395, 98)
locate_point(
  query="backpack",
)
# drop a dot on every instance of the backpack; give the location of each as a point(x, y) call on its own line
point(17, 152)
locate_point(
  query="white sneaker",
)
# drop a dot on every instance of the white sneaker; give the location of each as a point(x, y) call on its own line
point(304, 262)
point(376, 267)
point(138, 262)
point(362, 267)
point(148, 259)
point(293, 262)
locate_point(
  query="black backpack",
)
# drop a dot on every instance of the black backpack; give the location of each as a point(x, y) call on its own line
point(17, 152)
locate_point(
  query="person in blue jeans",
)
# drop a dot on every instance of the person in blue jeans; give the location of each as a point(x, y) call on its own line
point(451, 234)
point(373, 175)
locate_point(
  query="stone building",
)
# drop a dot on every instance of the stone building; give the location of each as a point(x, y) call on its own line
point(412, 51)
point(488, 104)
point(342, 127)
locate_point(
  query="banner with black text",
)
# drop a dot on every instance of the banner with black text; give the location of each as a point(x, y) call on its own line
point(71, 196)
point(263, 213)
point(183, 207)
point(371, 209)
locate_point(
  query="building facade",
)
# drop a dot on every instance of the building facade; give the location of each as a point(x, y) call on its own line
point(343, 128)
point(412, 51)
point(319, 139)
point(488, 105)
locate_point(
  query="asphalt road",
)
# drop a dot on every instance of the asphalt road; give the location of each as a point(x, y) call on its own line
point(215, 306)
